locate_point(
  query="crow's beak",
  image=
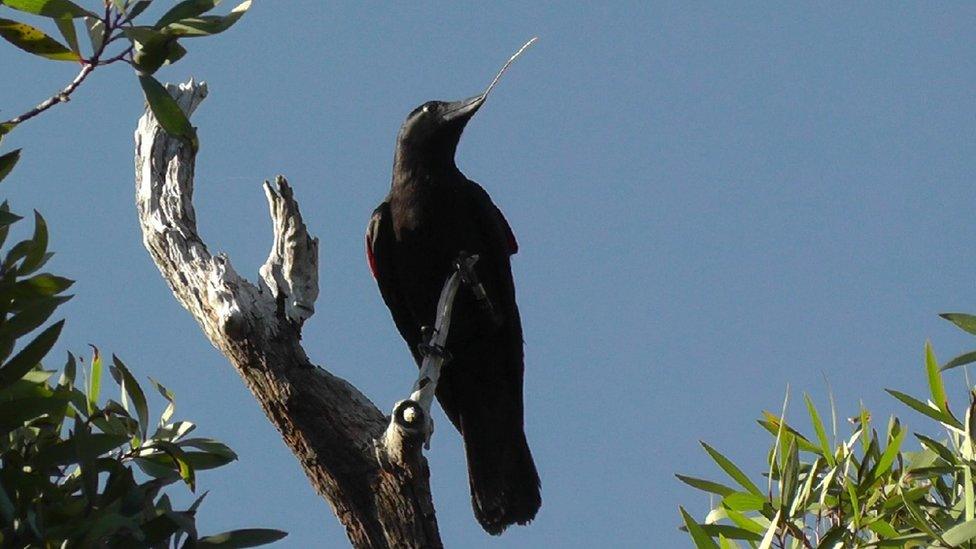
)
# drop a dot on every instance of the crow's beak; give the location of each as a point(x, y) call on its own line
point(464, 109)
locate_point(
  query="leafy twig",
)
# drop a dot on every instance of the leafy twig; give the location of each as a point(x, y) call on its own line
point(87, 66)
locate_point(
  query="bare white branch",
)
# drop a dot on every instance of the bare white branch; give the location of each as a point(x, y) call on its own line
point(327, 423)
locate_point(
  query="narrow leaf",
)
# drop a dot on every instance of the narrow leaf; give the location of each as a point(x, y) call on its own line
point(30, 355)
point(731, 469)
point(925, 409)
point(888, 457)
point(166, 110)
point(35, 256)
point(208, 24)
point(706, 485)
point(961, 360)
point(7, 162)
point(185, 10)
point(55, 9)
point(132, 388)
point(33, 40)
point(698, 535)
point(94, 380)
point(935, 379)
point(767, 540)
point(66, 26)
point(962, 320)
point(819, 428)
point(742, 501)
point(96, 32)
point(960, 533)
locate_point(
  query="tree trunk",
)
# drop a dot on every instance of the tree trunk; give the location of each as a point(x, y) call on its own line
point(369, 468)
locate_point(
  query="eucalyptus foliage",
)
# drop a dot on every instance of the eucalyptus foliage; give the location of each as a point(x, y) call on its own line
point(116, 33)
point(862, 489)
point(77, 470)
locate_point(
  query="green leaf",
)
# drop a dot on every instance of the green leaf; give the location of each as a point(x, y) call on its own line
point(151, 48)
point(30, 317)
point(7, 162)
point(962, 320)
point(925, 409)
point(936, 387)
point(767, 540)
point(185, 10)
point(209, 24)
point(959, 533)
point(80, 448)
point(174, 52)
point(7, 219)
point(14, 413)
point(66, 26)
point(55, 9)
point(170, 399)
point(68, 372)
point(819, 428)
point(96, 32)
point(920, 520)
point(706, 485)
point(138, 8)
point(727, 532)
point(33, 40)
point(177, 454)
point(6, 128)
point(94, 380)
point(744, 522)
point(938, 448)
point(35, 257)
point(698, 535)
point(888, 457)
point(742, 501)
point(961, 360)
point(883, 528)
point(131, 387)
point(731, 469)
point(248, 537)
point(772, 424)
point(790, 479)
point(43, 285)
point(210, 446)
point(166, 110)
point(30, 355)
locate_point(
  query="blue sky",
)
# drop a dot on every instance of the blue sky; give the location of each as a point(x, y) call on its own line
point(711, 202)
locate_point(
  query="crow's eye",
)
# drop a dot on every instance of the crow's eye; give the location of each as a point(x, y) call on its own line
point(429, 107)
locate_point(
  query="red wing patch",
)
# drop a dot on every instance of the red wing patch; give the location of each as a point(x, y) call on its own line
point(369, 257)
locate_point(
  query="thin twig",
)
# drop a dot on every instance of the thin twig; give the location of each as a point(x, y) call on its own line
point(60, 97)
point(87, 66)
point(118, 57)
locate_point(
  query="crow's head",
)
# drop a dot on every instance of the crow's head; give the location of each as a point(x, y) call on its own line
point(431, 132)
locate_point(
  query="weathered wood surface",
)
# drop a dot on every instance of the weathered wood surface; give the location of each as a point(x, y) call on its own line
point(378, 490)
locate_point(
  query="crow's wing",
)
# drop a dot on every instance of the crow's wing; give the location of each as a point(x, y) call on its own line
point(380, 240)
point(493, 223)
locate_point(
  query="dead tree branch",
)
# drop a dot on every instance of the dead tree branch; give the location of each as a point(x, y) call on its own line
point(381, 494)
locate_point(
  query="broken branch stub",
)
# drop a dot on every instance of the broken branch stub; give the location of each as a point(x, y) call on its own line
point(291, 272)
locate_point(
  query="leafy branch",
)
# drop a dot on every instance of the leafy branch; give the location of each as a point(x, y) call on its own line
point(148, 48)
point(860, 490)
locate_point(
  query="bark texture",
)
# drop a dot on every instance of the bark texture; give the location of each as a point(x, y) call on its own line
point(375, 481)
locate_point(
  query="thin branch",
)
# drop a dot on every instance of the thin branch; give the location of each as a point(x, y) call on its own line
point(61, 97)
point(87, 66)
point(125, 53)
